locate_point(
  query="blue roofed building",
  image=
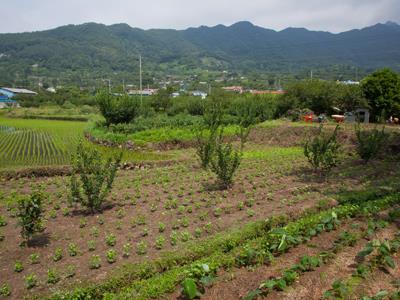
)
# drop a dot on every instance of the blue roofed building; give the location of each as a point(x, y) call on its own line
point(7, 95)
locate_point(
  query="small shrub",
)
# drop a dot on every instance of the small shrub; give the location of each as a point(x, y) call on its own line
point(225, 161)
point(369, 143)
point(95, 177)
point(322, 151)
point(30, 212)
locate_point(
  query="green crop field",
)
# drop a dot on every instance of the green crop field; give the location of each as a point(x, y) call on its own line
point(29, 143)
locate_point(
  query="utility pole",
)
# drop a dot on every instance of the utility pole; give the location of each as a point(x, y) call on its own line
point(140, 78)
point(123, 86)
point(311, 75)
point(109, 86)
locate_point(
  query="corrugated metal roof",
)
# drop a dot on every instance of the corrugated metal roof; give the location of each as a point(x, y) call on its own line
point(19, 91)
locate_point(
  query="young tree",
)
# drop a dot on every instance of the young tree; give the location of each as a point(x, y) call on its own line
point(30, 213)
point(369, 142)
point(322, 150)
point(225, 159)
point(92, 179)
point(117, 109)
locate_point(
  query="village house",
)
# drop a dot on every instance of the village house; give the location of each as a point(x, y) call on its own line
point(7, 95)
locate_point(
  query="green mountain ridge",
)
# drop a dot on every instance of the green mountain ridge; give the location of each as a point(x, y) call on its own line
point(83, 53)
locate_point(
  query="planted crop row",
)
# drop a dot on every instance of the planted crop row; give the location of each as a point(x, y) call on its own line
point(30, 147)
point(310, 263)
point(155, 279)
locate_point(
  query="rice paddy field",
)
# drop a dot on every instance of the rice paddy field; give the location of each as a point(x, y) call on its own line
point(33, 142)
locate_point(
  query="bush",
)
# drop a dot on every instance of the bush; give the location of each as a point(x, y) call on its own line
point(369, 143)
point(30, 212)
point(117, 109)
point(96, 177)
point(225, 160)
point(322, 151)
point(205, 147)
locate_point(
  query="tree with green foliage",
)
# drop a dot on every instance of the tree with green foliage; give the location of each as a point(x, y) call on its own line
point(117, 109)
point(382, 90)
point(30, 210)
point(92, 178)
point(162, 100)
point(369, 142)
point(225, 159)
point(322, 150)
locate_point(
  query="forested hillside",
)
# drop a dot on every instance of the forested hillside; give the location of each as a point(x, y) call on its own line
point(81, 53)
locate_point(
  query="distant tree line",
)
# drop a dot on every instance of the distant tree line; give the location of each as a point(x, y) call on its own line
point(379, 92)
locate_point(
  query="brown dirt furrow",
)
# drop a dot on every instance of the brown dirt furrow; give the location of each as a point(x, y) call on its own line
point(313, 285)
point(238, 282)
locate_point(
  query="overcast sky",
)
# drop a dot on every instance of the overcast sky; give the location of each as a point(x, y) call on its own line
point(327, 15)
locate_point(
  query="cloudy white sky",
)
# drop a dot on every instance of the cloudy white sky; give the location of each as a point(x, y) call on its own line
point(327, 15)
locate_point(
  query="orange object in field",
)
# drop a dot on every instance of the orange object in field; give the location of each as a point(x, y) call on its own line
point(308, 118)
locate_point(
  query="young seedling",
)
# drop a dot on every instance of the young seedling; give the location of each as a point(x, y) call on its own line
point(30, 281)
point(111, 256)
point(72, 249)
point(95, 262)
point(52, 276)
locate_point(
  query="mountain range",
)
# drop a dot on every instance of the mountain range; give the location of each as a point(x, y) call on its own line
point(91, 51)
